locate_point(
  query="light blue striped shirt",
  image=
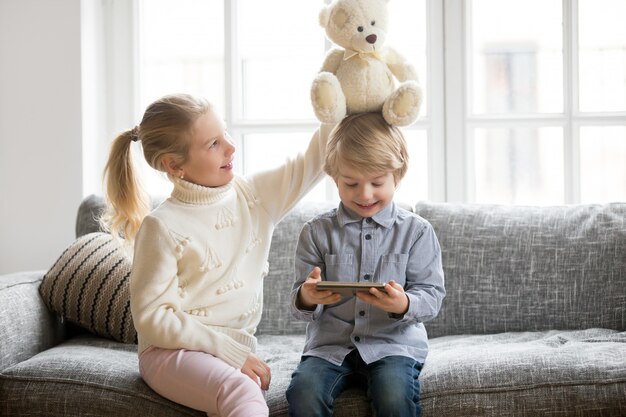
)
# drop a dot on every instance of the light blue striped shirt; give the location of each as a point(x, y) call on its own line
point(394, 244)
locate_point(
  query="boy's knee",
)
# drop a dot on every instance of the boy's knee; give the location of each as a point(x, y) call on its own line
point(299, 395)
point(304, 400)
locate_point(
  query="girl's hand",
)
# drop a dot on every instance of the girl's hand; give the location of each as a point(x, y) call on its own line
point(309, 297)
point(392, 300)
point(258, 371)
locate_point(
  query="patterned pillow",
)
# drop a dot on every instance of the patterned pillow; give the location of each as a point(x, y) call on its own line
point(89, 286)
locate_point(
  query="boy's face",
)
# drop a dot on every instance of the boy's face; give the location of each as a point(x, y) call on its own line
point(365, 193)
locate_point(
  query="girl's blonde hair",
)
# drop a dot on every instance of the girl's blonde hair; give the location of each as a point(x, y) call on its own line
point(164, 130)
point(367, 143)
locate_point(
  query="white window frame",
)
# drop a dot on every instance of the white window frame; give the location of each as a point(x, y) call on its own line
point(119, 87)
point(448, 123)
point(459, 121)
point(433, 124)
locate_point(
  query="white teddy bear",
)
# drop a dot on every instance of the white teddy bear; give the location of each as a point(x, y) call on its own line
point(361, 76)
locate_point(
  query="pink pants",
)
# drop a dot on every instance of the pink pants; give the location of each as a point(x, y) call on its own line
point(201, 381)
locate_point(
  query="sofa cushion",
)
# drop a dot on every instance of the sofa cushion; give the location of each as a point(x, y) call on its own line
point(553, 373)
point(86, 375)
point(514, 268)
point(517, 374)
point(57, 382)
point(88, 286)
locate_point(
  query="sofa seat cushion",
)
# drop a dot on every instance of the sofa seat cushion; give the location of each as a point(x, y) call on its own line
point(518, 374)
point(88, 375)
point(532, 373)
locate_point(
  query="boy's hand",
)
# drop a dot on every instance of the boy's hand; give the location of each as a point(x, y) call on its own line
point(309, 297)
point(393, 300)
point(258, 371)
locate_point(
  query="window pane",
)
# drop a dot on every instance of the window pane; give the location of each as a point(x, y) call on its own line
point(516, 59)
point(603, 164)
point(414, 186)
point(602, 55)
point(519, 166)
point(181, 49)
point(265, 151)
point(408, 35)
point(279, 58)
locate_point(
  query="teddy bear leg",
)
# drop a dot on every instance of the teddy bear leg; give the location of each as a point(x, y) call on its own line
point(329, 102)
point(402, 107)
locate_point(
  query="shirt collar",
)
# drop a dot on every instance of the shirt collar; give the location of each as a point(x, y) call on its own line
point(386, 217)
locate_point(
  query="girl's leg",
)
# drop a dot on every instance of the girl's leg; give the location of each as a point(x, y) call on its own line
point(314, 386)
point(203, 382)
point(393, 386)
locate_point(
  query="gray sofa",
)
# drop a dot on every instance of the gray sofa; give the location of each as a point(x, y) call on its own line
point(534, 323)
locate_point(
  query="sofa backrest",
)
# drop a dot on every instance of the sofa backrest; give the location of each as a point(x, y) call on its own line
point(507, 268)
point(512, 268)
point(90, 209)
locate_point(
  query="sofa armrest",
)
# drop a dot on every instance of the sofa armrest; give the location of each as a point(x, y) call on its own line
point(27, 327)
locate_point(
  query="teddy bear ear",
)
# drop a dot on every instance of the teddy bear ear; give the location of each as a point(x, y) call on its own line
point(324, 16)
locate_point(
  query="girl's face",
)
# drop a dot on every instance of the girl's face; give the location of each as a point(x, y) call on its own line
point(211, 153)
point(364, 193)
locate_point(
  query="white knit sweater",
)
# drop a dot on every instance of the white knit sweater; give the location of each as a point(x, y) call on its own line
point(200, 258)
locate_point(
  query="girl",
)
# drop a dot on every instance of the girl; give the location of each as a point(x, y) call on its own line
point(200, 257)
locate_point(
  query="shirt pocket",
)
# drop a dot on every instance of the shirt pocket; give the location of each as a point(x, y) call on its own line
point(339, 267)
point(393, 267)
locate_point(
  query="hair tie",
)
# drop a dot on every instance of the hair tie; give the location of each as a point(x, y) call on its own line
point(134, 134)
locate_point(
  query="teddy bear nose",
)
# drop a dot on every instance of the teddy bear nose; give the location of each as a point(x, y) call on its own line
point(371, 38)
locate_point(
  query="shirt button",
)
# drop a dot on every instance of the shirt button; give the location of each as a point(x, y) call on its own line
point(368, 220)
point(361, 313)
point(368, 237)
point(367, 276)
point(357, 339)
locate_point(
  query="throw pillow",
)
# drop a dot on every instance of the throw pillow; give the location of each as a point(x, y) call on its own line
point(89, 286)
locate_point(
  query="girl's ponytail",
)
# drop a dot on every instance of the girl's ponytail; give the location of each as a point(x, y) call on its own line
point(126, 201)
point(164, 130)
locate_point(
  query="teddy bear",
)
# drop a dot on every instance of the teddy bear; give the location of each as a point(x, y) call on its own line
point(363, 75)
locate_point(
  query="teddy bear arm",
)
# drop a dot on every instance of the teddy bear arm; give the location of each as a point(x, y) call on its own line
point(400, 66)
point(332, 61)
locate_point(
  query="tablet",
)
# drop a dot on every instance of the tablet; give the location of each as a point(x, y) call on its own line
point(347, 288)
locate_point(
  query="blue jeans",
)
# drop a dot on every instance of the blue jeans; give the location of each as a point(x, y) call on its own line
point(392, 385)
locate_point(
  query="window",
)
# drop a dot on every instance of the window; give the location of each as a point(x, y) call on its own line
point(259, 74)
point(544, 114)
point(525, 100)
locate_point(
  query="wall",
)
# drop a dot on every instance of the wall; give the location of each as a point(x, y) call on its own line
point(40, 130)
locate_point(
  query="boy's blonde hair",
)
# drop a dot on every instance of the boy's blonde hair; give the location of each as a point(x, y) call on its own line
point(164, 129)
point(367, 143)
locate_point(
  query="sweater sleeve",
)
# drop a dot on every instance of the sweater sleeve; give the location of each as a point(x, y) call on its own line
point(279, 189)
point(155, 305)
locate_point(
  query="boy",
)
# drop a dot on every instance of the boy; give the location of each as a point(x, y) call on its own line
point(374, 339)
